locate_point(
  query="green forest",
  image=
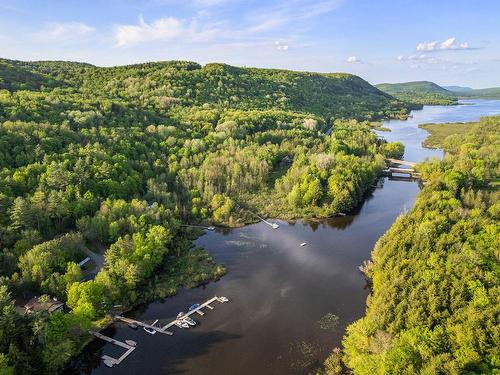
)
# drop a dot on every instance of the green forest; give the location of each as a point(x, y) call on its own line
point(111, 162)
point(434, 303)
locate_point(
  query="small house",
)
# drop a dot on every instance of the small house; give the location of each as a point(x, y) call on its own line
point(37, 304)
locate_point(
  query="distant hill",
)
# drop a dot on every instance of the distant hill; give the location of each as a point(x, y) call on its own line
point(419, 92)
point(458, 89)
point(184, 83)
point(467, 92)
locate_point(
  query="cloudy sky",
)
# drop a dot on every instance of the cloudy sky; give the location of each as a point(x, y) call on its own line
point(446, 41)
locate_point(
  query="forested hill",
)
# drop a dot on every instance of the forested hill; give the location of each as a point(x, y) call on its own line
point(419, 92)
point(467, 92)
point(162, 85)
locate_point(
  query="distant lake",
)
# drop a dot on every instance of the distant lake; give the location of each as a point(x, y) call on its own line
point(278, 289)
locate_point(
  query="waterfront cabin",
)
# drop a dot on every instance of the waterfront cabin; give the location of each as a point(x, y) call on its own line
point(44, 303)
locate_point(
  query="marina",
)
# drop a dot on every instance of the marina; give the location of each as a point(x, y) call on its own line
point(183, 321)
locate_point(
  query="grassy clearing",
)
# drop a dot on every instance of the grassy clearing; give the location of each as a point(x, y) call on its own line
point(438, 132)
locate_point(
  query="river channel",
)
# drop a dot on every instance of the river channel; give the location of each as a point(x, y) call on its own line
point(279, 290)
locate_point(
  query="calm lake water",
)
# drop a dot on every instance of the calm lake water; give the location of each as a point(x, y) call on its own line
point(278, 290)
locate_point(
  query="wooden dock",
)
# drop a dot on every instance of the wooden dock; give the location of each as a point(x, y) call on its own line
point(130, 345)
point(194, 311)
point(142, 324)
point(110, 361)
point(198, 226)
point(272, 225)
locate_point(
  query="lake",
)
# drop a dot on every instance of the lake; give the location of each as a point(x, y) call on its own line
point(279, 291)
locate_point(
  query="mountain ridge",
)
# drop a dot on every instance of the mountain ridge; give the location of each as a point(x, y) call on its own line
point(186, 83)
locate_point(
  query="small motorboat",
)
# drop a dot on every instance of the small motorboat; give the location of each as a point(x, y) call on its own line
point(130, 342)
point(303, 244)
point(223, 299)
point(210, 228)
point(133, 325)
point(189, 321)
point(109, 363)
point(149, 330)
point(194, 306)
point(181, 324)
point(275, 225)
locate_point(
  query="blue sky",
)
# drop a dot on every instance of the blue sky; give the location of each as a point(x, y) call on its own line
point(445, 41)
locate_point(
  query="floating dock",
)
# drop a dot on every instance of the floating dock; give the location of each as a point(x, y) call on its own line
point(110, 361)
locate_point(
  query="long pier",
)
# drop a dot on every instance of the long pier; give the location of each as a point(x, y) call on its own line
point(142, 324)
point(272, 225)
point(194, 311)
point(110, 361)
point(198, 226)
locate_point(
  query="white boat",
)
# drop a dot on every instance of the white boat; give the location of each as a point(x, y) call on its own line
point(223, 299)
point(149, 330)
point(210, 228)
point(130, 342)
point(303, 244)
point(109, 363)
point(181, 324)
point(189, 321)
point(275, 225)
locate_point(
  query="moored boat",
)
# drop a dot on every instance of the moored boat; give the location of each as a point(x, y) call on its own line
point(149, 330)
point(183, 324)
point(189, 321)
point(194, 306)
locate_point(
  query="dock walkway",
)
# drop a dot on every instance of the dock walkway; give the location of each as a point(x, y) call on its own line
point(142, 324)
point(110, 361)
point(194, 311)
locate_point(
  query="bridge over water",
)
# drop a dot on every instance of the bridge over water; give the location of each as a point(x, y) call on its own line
point(395, 166)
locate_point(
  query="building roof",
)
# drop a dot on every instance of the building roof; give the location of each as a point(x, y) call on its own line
point(37, 304)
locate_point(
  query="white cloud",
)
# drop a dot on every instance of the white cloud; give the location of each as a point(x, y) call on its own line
point(285, 12)
point(209, 3)
point(163, 29)
point(57, 31)
point(422, 58)
point(280, 46)
point(352, 59)
point(448, 44)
